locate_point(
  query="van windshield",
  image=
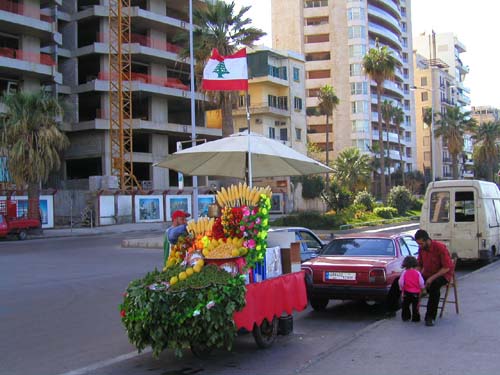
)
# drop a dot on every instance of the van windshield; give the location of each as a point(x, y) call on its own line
point(440, 207)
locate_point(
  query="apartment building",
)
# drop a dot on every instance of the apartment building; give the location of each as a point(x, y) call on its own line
point(439, 76)
point(63, 47)
point(334, 36)
point(485, 113)
point(276, 94)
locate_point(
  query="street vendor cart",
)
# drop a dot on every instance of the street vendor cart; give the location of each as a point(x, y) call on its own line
point(220, 278)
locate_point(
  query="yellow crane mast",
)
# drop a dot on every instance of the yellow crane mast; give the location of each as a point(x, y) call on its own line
point(120, 94)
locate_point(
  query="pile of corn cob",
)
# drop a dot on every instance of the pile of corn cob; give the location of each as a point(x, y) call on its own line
point(241, 195)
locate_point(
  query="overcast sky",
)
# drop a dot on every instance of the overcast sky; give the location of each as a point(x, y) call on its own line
point(476, 24)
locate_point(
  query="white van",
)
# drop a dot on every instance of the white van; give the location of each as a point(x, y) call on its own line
point(465, 215)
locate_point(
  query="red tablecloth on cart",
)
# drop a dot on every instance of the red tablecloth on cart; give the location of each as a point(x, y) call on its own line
point(272, 297)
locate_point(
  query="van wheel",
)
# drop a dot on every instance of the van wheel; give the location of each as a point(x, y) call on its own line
point(22, 235)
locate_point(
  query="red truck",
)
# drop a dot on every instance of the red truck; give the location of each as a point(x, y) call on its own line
point(10, 223)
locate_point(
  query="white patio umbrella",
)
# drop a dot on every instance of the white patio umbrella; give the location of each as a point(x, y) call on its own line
point(228, 157)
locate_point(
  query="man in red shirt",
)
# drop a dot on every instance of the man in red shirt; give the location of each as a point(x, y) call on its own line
point(436, 267)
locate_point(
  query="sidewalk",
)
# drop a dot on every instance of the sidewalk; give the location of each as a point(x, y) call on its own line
point(458, 344)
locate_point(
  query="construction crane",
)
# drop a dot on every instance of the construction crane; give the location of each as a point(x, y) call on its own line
point(120, 94)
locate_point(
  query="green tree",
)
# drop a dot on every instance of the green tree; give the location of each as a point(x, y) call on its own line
point(353, 169)
point(31, 139)
point(398, 117)
point(387, 113)
point(486, 150)
point(220, 26)
point(327, 102)
point(380, 65)
point(451, 126)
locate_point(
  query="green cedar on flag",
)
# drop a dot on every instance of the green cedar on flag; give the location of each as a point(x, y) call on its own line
point(226, 73)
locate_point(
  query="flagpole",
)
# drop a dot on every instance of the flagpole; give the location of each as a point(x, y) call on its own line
point(247, 97)
point(193, 115)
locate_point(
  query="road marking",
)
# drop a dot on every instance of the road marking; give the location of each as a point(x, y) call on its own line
point(390, 228)
point(106, 362)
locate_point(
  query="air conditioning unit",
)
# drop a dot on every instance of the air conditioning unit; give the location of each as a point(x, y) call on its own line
point(11, 87)
point(258, 121)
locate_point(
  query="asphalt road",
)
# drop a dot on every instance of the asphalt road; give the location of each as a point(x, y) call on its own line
point(59, 315)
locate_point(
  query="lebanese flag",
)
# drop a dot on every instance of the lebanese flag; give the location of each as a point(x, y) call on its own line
point(226, 73)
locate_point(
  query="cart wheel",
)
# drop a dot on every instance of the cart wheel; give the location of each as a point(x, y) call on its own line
point(266, 333)
point(200, 350)
point(22, 235)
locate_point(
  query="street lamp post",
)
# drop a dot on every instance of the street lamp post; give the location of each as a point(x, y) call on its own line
point(432, 148)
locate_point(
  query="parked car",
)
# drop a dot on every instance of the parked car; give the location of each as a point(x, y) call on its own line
point(310, 242)
point(357, 267)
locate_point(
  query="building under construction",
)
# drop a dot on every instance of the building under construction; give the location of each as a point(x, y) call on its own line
point(126, 104)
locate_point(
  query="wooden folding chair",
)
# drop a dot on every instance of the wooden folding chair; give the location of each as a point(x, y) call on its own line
point(446, 298)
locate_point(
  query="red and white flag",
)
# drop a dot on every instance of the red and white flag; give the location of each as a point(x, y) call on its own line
point(226, 73)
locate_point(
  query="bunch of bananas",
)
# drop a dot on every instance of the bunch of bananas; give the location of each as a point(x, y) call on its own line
point(241, 195)
point(201, 226)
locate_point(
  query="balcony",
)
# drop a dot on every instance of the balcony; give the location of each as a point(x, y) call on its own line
point(39, 64)
point(28, 20)
point(383, 16)
point(261, 109)
point(385, 34)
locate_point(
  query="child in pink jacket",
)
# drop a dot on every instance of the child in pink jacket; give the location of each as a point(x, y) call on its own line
point(411, 284)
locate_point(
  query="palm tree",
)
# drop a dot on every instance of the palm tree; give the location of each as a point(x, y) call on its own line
point(353, 169)
point(398, 117)
point(31, 139)
point(387, 112)
point(220, 26)
point(486, 150)
point(451, 126)
point(379, 65)
point(327, 102)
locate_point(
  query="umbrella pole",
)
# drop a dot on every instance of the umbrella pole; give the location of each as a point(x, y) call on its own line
point(193, 113)
point(249, 155)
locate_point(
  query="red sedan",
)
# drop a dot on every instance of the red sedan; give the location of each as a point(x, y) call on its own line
point(357, 267)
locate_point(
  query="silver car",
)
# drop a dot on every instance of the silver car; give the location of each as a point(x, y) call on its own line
point(310, 242)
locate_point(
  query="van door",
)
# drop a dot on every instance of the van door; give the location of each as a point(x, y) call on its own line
point(464, 239)
point(438, 223)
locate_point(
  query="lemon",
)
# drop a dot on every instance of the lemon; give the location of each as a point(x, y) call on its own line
point(189, 271)
point(200, 262)
point(173, 280)
point(206, 252)
point(197, 268)
point(243, 251)
point(183, 276)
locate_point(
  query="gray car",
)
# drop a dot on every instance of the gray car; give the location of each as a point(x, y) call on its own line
point(310, 242)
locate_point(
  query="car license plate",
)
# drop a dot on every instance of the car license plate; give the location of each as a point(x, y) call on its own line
point(340, 275)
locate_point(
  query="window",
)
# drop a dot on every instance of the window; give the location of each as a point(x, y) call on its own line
point(359, 107)
point(242, 100)
point(312, 93)
point(464, 206)
point(277, 72)
point(423, 81)
point(424, 96)
point(357, 50)
point(316, 74)
point(355, 69)
point(361, 126)
point(356, 32)
point(440, 207)
point(298, 134)
point(315, 3)
point(318, 56)
point(296, 74)
point(284, 134)
point(272, 133)
point(280, 102)
point(297, 104)
point(315, 21)
point(355, 14)
point(359, 88)
point(318, 38)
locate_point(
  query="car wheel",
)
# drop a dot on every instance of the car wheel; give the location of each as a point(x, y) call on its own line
point(22, 235)
point(266, 333)
point(318, 304)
